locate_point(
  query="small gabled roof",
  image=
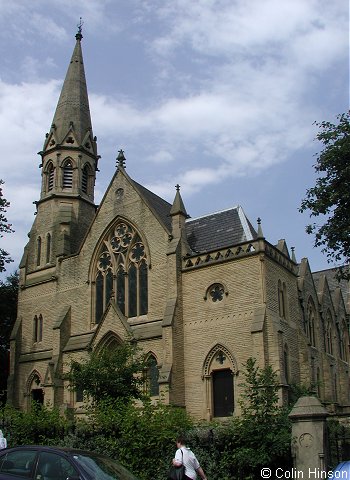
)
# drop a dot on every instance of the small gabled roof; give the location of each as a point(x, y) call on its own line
point(219, 230)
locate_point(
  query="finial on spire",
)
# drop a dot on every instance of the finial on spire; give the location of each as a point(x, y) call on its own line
point(79, 35)
point(260, 232)
point(120, 159)
point(177, 186)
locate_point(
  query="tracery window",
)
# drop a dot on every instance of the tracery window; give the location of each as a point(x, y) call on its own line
point(216, 292)
point(67, 174)
point(310, 322)
point(122, 271)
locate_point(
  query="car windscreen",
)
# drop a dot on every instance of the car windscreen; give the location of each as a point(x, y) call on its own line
point(102, 468)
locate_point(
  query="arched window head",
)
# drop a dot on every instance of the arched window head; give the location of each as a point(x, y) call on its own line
point(67, 174)
point(50, 177)
point(151, 376)
point(85, 180)
point(121, 273)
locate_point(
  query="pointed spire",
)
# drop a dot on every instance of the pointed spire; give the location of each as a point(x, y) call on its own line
point(178, 205)
point(72, 114)
point(260, 232)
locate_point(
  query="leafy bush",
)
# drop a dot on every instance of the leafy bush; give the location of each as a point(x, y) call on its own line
point(142, 436)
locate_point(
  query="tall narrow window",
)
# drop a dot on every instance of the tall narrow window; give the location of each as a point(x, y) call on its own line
point(68, 174)
point(122, 269)
point(329, 333)
point(310, 322)
point(50, 177)
point(48, 248)
point(152, 376)
point(38, 328)
point(85, 179)
point(35, 329)
point(38, 251)
point(286, 363)
point(282, 299)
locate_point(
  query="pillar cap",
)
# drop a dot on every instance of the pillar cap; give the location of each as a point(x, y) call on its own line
point(308, 407)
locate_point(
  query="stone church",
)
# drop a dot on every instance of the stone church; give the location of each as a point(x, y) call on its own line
point(198, 295)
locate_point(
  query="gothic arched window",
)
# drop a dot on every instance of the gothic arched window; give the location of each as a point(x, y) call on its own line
point(152, 374)
point(122, 272)
point(50, 177)
point(67, 174)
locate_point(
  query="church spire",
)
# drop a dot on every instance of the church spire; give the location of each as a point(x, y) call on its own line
point(72, 120)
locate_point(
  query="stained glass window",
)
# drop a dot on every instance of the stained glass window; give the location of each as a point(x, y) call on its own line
point(122, 270)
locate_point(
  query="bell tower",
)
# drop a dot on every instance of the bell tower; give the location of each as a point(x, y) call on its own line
point(69, 164)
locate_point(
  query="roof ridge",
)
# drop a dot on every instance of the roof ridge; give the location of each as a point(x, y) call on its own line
point(213, 213)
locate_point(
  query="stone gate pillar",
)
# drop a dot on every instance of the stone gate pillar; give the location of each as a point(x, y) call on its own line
point(309, 442)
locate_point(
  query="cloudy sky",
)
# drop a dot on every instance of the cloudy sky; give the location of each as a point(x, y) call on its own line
point(219, 96)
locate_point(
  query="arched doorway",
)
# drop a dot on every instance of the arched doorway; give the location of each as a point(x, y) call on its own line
point(219, 370)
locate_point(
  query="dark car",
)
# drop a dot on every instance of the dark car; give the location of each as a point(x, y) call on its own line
point(55, 463)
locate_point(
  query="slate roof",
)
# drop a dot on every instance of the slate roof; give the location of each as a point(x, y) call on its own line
point(219, 230)
point(333, 282)
point(161, 207)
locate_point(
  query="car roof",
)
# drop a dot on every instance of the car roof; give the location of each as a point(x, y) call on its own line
point(68, 450)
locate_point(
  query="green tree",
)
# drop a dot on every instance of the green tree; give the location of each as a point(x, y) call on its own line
point(5, 227)
point(8, 314)
point(113, 372)
point(264, 430)
point(329, 199)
